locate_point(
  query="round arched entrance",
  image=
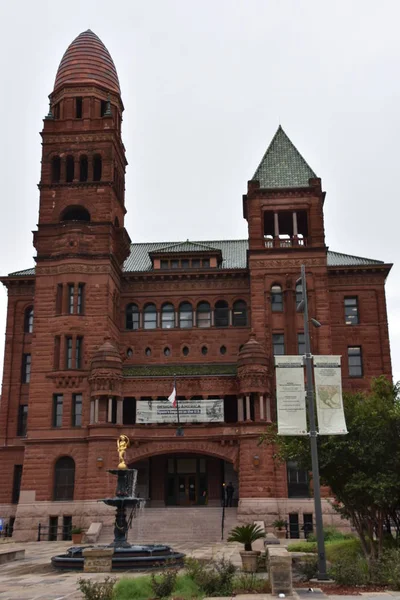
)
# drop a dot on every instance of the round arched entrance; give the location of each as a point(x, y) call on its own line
point(184, 478)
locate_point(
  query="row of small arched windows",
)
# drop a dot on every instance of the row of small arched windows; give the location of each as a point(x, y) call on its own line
point(186, 317)
point(70, 174)
point(277, 297)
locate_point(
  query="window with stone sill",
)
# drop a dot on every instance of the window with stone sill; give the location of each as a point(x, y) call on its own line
point(278, 342)
point(26, 368)
point(58, 400)
point(132, 317)
point(276, 298)
point(77, 410)
point(64, 479)
point(150, 316)
point(185, 315)
point(28, 320)
point(22, 420)
point(203, 315)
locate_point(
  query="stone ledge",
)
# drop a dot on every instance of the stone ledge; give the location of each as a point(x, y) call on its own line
point(10, 555)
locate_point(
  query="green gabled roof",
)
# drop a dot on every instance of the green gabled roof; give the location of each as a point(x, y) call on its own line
point(186, 247)
point(179, 370)
point(282, 165)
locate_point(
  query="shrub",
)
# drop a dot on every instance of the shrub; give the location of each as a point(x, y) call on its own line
point(390, 568)
point(214, 578)
point(348, 549)
point(331, 534)
point(308, 568)
point(302, 547)
point(163, 585)
point(97, 590)
point(249, 583)
point(350, 572)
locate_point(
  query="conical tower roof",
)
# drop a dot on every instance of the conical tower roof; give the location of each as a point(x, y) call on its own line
point(282, 165)
point(87, 61)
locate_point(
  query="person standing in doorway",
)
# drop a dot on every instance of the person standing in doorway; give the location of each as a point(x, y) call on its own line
point(229, 493)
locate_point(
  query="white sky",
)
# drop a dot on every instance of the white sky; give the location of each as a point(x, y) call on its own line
point(205, 85)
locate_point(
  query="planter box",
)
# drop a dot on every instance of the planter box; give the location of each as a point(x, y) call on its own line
point(249, 560)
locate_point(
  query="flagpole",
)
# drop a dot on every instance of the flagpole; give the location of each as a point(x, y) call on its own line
point(176, 399)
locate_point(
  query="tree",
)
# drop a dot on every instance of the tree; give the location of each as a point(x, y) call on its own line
point(362, 468)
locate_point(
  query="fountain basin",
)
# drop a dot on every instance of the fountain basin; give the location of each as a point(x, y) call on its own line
point(134, 557)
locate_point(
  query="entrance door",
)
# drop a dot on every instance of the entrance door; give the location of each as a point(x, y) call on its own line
point(187, 492)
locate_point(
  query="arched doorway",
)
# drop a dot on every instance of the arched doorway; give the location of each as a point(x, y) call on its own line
point(184, 479)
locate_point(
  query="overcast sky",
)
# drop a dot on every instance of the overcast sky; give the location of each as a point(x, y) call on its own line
point(205, 86)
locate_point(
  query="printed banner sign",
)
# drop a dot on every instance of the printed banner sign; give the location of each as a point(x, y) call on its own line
point(206, 410)
point(328, 391)
point(290, 394)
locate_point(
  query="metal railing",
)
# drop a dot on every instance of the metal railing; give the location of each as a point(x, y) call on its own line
point(53, 533)
point(292, 242)
point(7, 529)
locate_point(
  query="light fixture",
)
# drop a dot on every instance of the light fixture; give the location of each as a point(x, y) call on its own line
point(256, 460)
point(315, 323)
point(99, 462)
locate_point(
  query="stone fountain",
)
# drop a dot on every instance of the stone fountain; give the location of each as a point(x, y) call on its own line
point(125, 555)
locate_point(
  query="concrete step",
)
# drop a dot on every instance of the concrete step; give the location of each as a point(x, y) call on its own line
point(177, 524)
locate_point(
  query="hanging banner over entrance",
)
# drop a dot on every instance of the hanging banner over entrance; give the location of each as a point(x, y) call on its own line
point(328, 390)
point(206, 410)
point(290, 395)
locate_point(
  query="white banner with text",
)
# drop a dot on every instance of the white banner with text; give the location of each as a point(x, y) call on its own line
point(206, 410)
point(290, 395)
point(328, 391)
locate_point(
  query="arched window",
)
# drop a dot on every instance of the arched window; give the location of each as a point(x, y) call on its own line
point(55, 169)
point(70, 168)
point(239, 317)
point(203, 315)
point(28, 320)
point(132, 317)
point(221, 314)
point(150, 316)
point(75, 213)
point(167, 316)
point(97, 167)
point(185, 315)
point(83, 168)
point(64, 478)
point(299, 293)
point(276, 298)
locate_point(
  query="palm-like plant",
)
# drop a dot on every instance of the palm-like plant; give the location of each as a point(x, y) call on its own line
point(246, 534)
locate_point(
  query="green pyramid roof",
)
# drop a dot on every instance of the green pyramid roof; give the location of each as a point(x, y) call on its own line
point(282, 165)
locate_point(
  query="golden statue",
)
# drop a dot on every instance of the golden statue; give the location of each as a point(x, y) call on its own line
point(122, 444)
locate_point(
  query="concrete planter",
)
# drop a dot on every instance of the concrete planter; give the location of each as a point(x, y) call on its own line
point(280, 534)
point(249, 560)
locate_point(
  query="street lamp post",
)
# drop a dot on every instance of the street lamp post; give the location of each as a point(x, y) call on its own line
point(303, 306)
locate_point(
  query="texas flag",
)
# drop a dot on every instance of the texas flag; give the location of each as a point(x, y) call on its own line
point(172, 397)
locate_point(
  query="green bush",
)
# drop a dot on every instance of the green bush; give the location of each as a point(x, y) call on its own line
point(97, 590)
point(390, 568)
point(133, 588)
point(348, 549)
point(331, 534)
point(302, 547)
point(164, 584)
point(249, 583)
point(214, 578)
point(350, 572)
point(308, 568)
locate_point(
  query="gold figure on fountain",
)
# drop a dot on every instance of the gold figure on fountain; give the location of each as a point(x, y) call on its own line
point(122, 444)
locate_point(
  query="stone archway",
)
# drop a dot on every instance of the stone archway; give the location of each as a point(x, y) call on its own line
point(226, 452)
point(183, 472)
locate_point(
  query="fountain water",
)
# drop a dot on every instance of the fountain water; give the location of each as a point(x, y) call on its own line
point(126, 556)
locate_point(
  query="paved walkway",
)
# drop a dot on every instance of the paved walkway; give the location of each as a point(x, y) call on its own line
point(35, 579)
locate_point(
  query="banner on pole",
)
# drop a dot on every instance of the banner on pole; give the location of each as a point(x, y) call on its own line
point(328, 391)
point(290, 394)
point(207, 410)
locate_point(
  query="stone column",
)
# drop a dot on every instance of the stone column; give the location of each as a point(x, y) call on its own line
point(92, 409)
point(96, 409)
point(109, 411)
point(261, 399)
point(120, 411)
point(295, 230)
point(240, 409)
point(268, 408)
point(248, 416)
point(276, 224)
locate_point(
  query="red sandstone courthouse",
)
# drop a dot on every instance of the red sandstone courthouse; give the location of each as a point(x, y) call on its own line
point(98, 329)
